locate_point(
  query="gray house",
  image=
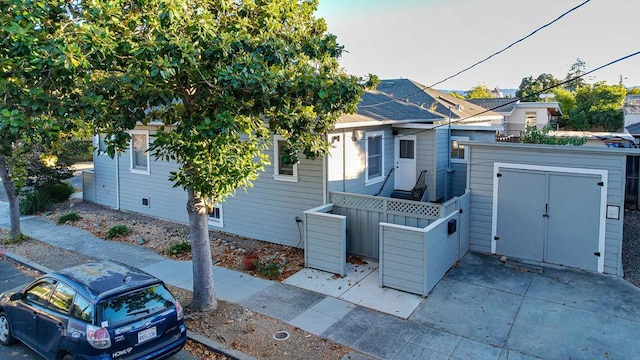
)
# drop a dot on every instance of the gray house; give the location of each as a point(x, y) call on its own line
point(384, 148)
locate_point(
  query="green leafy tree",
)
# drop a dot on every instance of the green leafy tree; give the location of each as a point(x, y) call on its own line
point(39, 76)
point(532, 135)
point(220, 77)
point(567, 101)
point(576, 71)
point(598, 107)
point(634, 91)
point(531, 88)
point(480, 91)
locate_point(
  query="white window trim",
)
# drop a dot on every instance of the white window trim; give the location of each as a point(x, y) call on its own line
point(466, 150)
point(217, 222)
point(276, 163)
point(131, 168)
point(370, 181)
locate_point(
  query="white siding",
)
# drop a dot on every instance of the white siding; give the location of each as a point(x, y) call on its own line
point(346, 163)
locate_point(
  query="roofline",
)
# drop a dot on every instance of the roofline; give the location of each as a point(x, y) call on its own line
point(370, 123)
point(541, 147)
point(453, 127)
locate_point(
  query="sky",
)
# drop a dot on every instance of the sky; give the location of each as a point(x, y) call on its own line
point(429, 40)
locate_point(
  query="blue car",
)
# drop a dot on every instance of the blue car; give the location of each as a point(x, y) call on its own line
point(103, 310)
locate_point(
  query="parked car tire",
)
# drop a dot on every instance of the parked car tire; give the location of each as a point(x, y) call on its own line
point(6, 338)
point(68, 357)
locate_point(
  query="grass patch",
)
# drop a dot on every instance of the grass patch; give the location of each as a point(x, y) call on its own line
point(9, 239)
point(117, 231)
point(70, 217)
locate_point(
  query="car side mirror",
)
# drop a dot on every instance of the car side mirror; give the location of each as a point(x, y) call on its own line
point(16, 296)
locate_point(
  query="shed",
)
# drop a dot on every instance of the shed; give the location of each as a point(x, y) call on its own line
point(550, 204)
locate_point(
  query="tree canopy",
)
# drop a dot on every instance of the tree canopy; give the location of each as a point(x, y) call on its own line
point(480, 91)
point(530, 89)
point(216, 79)
point(40, 86)
point(598, 106)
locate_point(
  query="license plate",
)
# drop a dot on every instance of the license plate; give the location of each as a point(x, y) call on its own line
point(147, 334)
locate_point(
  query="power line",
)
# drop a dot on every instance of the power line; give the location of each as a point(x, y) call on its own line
point(490, 56)
point(530, 95)
point(512, 44)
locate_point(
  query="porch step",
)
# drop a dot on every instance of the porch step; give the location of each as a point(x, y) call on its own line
point(403, 194)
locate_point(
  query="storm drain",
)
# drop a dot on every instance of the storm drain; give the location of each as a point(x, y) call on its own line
point(281, 335)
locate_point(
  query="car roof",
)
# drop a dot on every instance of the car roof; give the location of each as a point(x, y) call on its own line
point(105, 278)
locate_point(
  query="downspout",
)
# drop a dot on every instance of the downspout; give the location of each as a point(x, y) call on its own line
point(118, 182)
point(344, 160)
point(325, 178)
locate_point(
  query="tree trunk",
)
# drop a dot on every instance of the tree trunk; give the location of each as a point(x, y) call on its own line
point(14, 201)
point(204, 292)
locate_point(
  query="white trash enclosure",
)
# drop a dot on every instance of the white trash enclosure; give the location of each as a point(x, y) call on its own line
point(414, 242)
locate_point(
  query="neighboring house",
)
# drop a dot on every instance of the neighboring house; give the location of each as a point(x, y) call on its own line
point(382, 148)
point(519, 115)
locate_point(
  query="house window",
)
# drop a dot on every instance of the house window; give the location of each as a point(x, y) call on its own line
point(530, 119)
point(139, 153)
point(458, 151)
point(375, 157)
point(215, 217)
point(282, 171)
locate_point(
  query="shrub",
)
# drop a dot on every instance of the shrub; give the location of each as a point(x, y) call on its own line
point(269, 270)
point(117, 231)
point(58, 192)
point(70, 217)
point(34, 202)
point(179, 248)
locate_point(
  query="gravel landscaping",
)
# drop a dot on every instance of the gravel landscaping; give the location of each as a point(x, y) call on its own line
point(631, 247)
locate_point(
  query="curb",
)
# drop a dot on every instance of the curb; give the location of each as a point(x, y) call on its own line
point(219, 347)
point(211, 344)
point(24, 261)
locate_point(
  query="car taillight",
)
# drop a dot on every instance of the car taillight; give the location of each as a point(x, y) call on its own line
point(179, 310)
point(98, 337)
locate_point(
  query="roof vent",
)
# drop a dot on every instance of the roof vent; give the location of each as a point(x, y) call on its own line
point(459, 107)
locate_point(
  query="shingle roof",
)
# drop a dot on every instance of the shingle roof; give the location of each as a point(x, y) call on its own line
point(379, 106)
point(437, 101)
point(503, 105)
point(633, 129)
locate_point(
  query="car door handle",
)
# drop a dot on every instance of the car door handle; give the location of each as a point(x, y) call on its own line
point(34, 315)
point(59, 326)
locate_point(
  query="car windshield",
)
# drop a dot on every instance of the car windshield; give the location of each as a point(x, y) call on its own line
point(142, 302)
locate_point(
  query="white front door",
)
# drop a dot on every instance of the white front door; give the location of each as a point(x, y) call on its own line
point(405, 173)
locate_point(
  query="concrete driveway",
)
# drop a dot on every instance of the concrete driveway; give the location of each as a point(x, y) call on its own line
point(549, 313)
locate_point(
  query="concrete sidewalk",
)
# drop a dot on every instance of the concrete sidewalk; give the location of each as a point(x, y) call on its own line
point(481, 310)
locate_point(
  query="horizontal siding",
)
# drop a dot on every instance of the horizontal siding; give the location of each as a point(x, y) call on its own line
point(403, 262)
point(104, 171)
point(459, 175)
point(325, 242)
point(483, 156)
point(355, 161)
point(268, 210)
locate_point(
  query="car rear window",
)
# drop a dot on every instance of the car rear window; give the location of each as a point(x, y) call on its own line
point(131, 306)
